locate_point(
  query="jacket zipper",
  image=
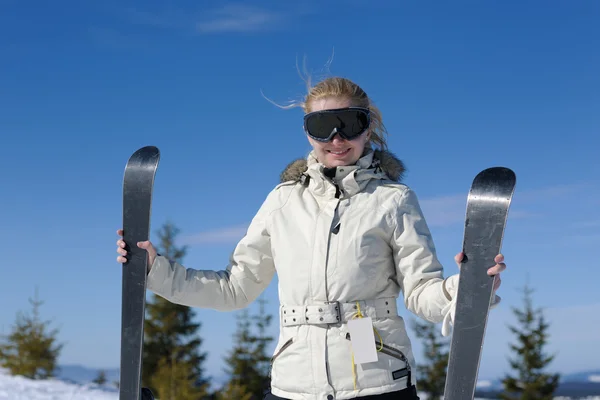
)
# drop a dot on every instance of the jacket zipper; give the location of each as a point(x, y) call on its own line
point(338, 191)
point(338, 194)
point(282, 349)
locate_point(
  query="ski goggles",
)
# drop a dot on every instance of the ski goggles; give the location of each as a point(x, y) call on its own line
point(349, 123)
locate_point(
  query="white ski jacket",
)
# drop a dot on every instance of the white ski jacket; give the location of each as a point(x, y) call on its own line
point(335, 244)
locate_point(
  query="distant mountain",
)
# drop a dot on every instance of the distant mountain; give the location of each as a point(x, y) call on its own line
point(584, 376)
point(81, 374)
point(489, 384)
point(575, 385)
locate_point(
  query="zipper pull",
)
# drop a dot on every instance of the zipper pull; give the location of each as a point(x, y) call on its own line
point(338, 192)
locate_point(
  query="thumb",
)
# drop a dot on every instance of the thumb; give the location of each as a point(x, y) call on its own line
point(152, 253)
point(146, 245)
point(458, 258)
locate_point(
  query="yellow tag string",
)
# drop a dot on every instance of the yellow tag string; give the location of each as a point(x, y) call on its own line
point(353, 371)
point(359, 314)
point(380, 340)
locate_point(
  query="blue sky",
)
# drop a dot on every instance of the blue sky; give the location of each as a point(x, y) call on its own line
point(462, 85)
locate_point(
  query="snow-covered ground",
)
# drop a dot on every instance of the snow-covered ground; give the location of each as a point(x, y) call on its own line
point(19, 388)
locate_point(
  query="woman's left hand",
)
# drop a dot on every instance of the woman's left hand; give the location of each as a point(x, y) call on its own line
point(493, 271)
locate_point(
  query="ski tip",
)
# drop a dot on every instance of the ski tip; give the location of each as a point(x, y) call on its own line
point(497, 173)
point(144, 154)
point(149, 150)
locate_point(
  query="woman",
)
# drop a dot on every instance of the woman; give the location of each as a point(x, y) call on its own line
point(345, 237)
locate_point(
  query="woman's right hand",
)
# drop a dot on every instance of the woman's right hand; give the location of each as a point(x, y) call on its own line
point(147, 245)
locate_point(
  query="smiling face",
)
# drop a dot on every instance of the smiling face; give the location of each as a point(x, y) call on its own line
point(338, 151)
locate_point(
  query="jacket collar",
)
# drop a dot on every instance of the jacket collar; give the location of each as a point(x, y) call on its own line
point(374, 164)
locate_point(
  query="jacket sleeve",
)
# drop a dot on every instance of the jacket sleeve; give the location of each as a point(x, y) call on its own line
point(420, 273)
point(248, 274)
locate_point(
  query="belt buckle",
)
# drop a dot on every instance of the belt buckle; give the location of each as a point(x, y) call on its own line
point(337, 308)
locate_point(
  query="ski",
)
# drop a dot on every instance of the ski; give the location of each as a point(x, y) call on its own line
point(138, 183)
point(487, 210)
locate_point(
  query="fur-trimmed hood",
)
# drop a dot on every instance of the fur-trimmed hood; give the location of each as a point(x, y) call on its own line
point(384, 160)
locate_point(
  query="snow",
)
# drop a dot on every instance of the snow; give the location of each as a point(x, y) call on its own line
point(594, 378)
point(20, 388)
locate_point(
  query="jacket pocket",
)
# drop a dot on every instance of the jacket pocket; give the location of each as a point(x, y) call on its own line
point(392, 352)
point(404, 369)
point(282, 349)
point(291, 357)
point(388, 350)
point(389, 369)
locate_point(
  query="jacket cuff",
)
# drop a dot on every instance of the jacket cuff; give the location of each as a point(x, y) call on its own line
point(497, 300)
point(450, 286)
point(159, 272)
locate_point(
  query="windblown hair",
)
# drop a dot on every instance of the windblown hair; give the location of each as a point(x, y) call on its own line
point(343, 88)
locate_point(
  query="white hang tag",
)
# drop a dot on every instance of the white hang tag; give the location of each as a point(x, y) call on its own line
point(362, 339)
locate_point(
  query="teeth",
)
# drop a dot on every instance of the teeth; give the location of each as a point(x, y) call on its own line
point(338, 152)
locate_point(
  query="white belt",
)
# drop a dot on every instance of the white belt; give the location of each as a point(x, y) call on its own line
point(334, 312)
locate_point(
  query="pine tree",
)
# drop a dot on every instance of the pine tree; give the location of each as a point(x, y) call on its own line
point(432, 373)
point(248, 363)
point(531, 383)
point(31, 350)
point(171, 343)
point(101, 378)
point(173, 381)
point(234, 391)
point(262, 321)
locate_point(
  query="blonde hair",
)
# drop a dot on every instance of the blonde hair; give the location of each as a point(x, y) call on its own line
point(343, 88)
